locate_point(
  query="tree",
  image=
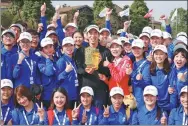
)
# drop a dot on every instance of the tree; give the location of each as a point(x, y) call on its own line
point(137, 11)
point(7, 18)
point(125, 18)
point(182, 17)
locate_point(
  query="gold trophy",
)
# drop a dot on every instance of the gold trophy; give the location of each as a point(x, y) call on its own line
point(92, 57)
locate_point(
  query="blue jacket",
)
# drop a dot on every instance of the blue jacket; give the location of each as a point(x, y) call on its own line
point(115, 118)
point(48, 71)
point(3, 67)
point(18, 116)
point(92, 116)
point(21, 73)
point(168, 29)
point(176, 116)
point(141, 66)
point(161, 81)
point(43, 32)
point(69, 81)
point(144, 117)
point(170, 49)
point(59, 31)
point(7, 108)
point(108, 25)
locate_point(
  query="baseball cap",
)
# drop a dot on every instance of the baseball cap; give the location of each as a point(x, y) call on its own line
point(50, 32)
point(116, 90)
point(156, 32)
point(51, 26)
point(147, 30)
point(17, 25)
point(184, 89)
point(119, 31)
point(161, 47)
point(92, 27)
point(123, 40)
point(182, 34)
point(166, 35)
point(150, 89)
point(68, 40)
point(6, 83)
point(46, 41)
point(71, 25)
point(138, 43)
point(25, 35)
point(105, 29)
point(9, 31)
point(144, 34)
point(178, 46)
point(117, 41)
point(181, 39)
point(87, 89)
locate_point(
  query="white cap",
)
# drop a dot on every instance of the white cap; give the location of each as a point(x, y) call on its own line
point(181, 39)
point(138, 43)
point(46, 41)
point(92, 27)
point(116, 90)
point(104, 29)
point(87, 89)
point(119, 31)
point(17, 25)
point(156, 32)
point(9, 31)
point(147, 29)
point(68, 40)
point(182, 34)
point(166, 35)
point(25, 35)
point(123, 40)
point(51, 26)
point(144, 34)
point(6, 83)
point(150, 89)
point(161, 47)
point(72, 25)
point(50, 32)
point(178, 46)
point(184, 89)
point(117, 41)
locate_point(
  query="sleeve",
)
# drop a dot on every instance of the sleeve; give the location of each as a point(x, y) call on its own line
point(102, 120)
point(134, 120)
point(75, 122)
point(173, 100)
point(171, 119)
point(168, 29)
point(107, 25)
point(15, 117)
point(46, 68)
point(61, 66)
point(17, 70)
point(123, 34)
point(45, 121)
point(59, 31)
point(43, 32)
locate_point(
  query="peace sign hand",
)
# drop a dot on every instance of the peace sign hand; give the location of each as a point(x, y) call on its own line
point(75, 111)
point(41, 111)
point(106, 111)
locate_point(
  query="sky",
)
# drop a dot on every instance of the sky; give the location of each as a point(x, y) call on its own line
point(159, 7)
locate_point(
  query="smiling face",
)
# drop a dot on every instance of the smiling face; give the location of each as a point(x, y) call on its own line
point(35, 41)
point(59, 99)
point(48, 50)
point(156, 41)
point(69, 31)
point(86, 99)
point(6, 93)
point(25, 45)
point(137, 52)
point(159, 56)
point(183, 99)
point(78, 39)
point(145, 40)
point(117, 100)
point(93, 36)
point(116, 50)
point(8, 39)
point(22, 100)
point(68, 49)
point(127, 47)
point(179, 60)
point(150, 100)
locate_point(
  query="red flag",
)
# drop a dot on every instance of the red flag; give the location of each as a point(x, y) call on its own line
point(149, 14)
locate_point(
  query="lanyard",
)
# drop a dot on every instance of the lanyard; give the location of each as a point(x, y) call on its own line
point(90, 119)
point(30, 66)
point(185, 120)
point(64, 118)
point(6, 114)
point(27, 120)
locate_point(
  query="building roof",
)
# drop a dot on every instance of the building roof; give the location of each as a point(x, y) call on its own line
point(67, 9)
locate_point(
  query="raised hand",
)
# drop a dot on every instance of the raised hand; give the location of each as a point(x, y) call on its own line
point(21, 56)
point(128, 69)
point(170, 90)
point(68, 67)
point(40, 27)
point(84, 117)
point(106, 111)
point(163, 119)
point(139, 76)
point(90, 70)
point(75, 111)
point(43, 8)
point(76, 14)
point(109, 11)
point(43, 54)
point(182, 76)
point(163, 17)
point(41, 111)
point(57, 8)
point(106, 62)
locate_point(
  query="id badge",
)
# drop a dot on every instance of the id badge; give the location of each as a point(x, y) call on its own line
point(76, 83)
point(31, 80)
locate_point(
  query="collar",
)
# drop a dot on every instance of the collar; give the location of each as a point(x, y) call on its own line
point(31, 112)
point(4, 51)
point(139, 62)
point(10, 103)
point(181, 69)
point(181, 109)
point(67, 57)
point(145, 110)
point(58, 113)
point(113, 111)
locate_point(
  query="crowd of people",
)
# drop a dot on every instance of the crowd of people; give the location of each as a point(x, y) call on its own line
point(58, 75)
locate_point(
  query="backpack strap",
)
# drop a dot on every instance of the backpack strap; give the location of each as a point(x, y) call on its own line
point(69, 114)
point(50, 116)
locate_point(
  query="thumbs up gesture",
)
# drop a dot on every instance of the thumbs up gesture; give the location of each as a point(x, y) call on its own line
point(68, 67)
point(84, 116)
point(128, 70)
point(139, 76)
point(106, 62)
point(106, 111)
point(163, 119)
point(182, 76)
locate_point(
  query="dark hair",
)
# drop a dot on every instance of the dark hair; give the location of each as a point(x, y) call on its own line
point(121, 55)
point(32, 32)
point(64, 92)
point(159, 112)
point(183, 52)
point(166, 66)
point(78, 32)
point(36, 89)
point(21, 90)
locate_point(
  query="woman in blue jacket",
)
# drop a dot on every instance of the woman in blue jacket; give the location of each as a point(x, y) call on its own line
point(160, 69)
point(47, 68)
point(26, 112)
point(179, 116)
point(85, 114)
point(115, 114)
point(140, 77)
point(67, 71)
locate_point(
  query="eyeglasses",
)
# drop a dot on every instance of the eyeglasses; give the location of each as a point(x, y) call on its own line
point(8, 36)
